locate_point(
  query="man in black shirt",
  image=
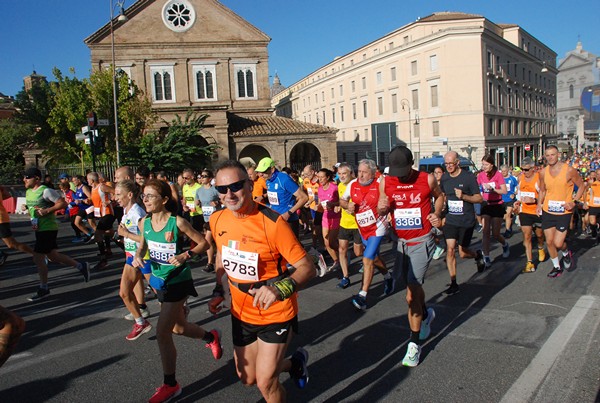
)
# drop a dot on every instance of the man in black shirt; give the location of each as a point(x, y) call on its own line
point(461, 191)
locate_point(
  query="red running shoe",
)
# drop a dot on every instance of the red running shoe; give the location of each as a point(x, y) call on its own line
point(165, 393)
point(139, 330)
point(215, 345)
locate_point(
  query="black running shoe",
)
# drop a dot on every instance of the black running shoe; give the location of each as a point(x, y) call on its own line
point(85, 271)
point(479, 261)
point(453, 289)
point(40, 294)
point(567, 261)
point(556, 272)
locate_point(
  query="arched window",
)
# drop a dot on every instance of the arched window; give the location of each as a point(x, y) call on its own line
point(246, 81)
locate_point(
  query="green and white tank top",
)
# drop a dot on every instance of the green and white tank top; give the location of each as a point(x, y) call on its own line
point(163, 245)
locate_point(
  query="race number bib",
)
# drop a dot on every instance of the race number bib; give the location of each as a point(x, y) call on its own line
point(408, 218)
point(97, 212)
point(596, 201)
point(324, 204)
point(273, 198)
point(207, 211)
point(130, 245)
point(527, 194)
point(161, 252)
point(89, 210)
point(455, 207)
point(365, 219)
point(189, 202)
point(492, 186)
point(555, 206)
point(240, 265)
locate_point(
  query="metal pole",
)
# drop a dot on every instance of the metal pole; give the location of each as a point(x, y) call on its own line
point(93, 144)
point(409, 129)
point(114, 77)
point(376, 147)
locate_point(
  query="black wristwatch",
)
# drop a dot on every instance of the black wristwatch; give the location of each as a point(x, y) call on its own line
point(290, 213)
point(190, 254)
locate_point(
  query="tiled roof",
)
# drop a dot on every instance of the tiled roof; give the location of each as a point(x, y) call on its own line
point(247, 126)
point(449, 15)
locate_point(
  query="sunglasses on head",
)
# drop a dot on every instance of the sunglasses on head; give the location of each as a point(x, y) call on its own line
point(234, 187)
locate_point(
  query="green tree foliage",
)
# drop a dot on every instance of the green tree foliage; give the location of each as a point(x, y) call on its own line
point(58, 110)
point(33, 109)
point(13, 136)
point(72, 103)
point(134, 108)
point(180, 146)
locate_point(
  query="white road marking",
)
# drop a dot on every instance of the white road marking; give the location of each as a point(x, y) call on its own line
point(525, 387)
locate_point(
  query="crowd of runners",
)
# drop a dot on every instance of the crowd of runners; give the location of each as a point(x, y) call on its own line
point(248, 220)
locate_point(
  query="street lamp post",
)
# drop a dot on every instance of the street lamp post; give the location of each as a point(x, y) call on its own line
point(121, 18)
point(404, 102)
point(419, 137)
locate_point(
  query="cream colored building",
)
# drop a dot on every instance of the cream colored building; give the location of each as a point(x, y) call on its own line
point(200, 55)
point(578, 76)
point(447, 81)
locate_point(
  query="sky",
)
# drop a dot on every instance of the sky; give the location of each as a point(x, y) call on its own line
point(305, 34)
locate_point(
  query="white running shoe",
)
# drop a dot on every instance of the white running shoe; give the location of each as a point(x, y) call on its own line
point(413, 352)
point(145, 314)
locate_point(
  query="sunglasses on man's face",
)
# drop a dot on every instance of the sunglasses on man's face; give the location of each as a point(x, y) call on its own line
point(525, 169)
point(234, 187)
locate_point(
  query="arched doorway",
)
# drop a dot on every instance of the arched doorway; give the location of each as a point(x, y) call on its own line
point(304, 154)
point(256, 153)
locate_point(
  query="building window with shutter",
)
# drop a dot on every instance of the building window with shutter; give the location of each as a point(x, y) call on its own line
point(245, 82)
point(206, 82)
point(163, 84)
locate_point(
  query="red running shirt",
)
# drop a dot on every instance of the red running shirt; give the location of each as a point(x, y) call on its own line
point(410, 204)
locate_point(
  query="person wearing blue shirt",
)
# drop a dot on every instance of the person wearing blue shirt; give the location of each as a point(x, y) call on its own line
point(508, 198)
point(284, 194)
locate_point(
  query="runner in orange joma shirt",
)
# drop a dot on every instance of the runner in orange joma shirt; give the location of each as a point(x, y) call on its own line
point(254, 244)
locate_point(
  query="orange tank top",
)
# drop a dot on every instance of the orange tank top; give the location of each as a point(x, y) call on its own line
point(99, 198)
point(593, 195)
point(558, 191)
point(529, 188)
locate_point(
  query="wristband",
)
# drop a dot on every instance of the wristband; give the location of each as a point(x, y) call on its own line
point(286, 287)
point(290, 213)
point(218, 291)
point(189, 253)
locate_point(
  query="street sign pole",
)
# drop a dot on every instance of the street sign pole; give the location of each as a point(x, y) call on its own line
point(92, 146)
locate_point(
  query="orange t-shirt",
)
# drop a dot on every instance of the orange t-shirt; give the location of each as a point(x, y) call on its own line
point(312, 189)
point(260, 187)
point(256, 248)
point(529, 188)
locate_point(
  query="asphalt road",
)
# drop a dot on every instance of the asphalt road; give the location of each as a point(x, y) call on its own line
point(505, 337)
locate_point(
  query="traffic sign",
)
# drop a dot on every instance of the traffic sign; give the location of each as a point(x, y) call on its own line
point(501, 150)
point(103, 122)
point(527, 147)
